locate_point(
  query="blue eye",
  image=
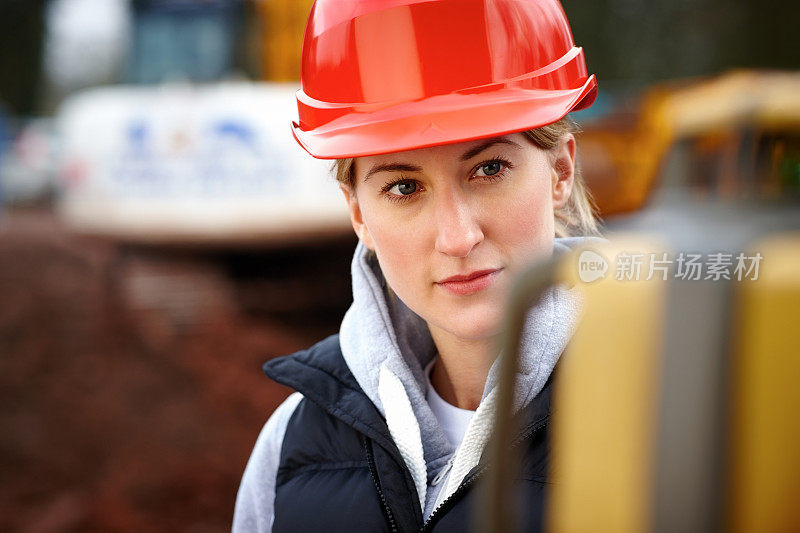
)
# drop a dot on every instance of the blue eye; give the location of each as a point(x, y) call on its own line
point(403, 188)
point(489, 169)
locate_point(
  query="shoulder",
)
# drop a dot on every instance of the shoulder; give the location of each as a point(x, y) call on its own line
point(255, 499)
point(270, 440)
point(327, 426)
point(321, 374)
point(322, 361)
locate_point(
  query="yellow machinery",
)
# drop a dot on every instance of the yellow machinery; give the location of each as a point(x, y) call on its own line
point(282, 23)
point(675, 405)
point(733, 136)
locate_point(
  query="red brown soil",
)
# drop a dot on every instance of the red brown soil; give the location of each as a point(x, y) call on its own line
point(130, 378)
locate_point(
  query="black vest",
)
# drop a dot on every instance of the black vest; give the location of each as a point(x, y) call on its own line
point(340, 470)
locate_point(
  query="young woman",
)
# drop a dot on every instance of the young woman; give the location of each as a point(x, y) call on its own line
point(447, 122)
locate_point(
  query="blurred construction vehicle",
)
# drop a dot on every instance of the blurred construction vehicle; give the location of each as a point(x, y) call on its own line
point(204, 164)
point(735, 136)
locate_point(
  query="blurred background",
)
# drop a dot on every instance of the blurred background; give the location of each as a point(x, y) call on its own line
point(161, 235)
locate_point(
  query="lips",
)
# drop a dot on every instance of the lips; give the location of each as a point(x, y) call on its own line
point(473, 282)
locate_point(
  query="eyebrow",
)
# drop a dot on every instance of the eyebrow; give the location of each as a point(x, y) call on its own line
point(405, 167)
point(469, 154)
point(392, 167)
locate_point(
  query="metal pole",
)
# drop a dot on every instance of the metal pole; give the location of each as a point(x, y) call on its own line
point(496, 510)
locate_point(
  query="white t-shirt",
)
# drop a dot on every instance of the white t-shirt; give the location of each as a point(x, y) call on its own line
point(454, 420)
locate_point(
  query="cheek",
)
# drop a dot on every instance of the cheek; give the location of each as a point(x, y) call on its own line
point(400, 248)
point(397, 255)
point(527, 223)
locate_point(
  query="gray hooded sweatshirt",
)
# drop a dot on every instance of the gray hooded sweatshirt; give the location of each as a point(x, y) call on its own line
point(387, 346)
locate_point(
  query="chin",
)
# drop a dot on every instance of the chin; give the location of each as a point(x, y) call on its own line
point(474, 324)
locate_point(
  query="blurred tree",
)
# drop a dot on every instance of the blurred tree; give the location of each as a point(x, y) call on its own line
point(774, 33)
point(647, 40)
point(21, 30)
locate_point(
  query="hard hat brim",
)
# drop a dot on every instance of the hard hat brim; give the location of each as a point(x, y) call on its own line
point(443, 119)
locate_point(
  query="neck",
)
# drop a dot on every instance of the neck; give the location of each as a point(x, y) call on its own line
point(460, 372)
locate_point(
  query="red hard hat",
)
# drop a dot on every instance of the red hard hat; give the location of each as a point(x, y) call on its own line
point(383, 76)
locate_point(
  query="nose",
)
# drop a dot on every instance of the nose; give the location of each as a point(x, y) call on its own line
point(458, 230)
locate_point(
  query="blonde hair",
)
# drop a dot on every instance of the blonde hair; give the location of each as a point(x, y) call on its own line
point(577, 217)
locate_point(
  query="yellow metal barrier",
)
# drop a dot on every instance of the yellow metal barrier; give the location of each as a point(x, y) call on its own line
point(764, 476)
point(604, 404)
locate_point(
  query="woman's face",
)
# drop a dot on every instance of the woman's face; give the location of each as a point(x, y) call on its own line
point(452, 225)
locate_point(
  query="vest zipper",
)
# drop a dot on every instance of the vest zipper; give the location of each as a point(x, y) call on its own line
point(373, 471)
point(468, 482)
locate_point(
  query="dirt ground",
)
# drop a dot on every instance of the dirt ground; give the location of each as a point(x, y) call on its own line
point(130, 377)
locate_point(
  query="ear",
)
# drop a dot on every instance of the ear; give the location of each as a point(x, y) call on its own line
point(563, 170)
point(356, 217)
